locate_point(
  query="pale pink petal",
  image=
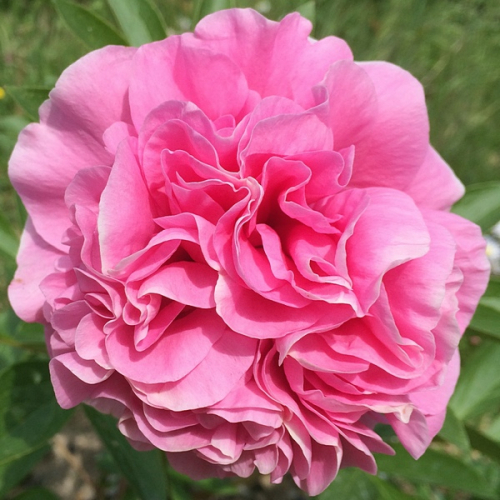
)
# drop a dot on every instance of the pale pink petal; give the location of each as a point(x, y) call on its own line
point(125, 220)
point(175, 71)
point(285, 135)
point(86, 188)
point(401, 237)
point(69, 136)
point(435, 186)
point(90, 340)
point(203, 386)
point(116, 133)
point(349, 98)
point(97, 81)
point(470, 258)
point(279, 58)
point(400, 139)
point(325, 464)
point(36, 259)
point(187, 282)
point(182, 347)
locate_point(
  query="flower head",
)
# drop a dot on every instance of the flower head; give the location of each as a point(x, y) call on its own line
point(239, 243)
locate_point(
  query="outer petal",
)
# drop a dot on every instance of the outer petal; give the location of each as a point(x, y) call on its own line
point(398, 145)
point(349, 98)
point(470, 259)
point(276, 58)
point(69, 136)
point(35, 260)
point(175, 71)
point(428, 416)
point(435, 186)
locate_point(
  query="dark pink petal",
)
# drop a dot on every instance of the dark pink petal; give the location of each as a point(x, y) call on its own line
point(146, 334)
point(313, 353)
point(189, 463)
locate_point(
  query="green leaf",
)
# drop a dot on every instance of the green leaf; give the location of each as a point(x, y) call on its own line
point(140, 20)
point(454, 432)
point(484, 444)
point(478, 388)
point(493, 289)
point(29, 416)
point(350, 483)
point(308, 10)
point(29, 98)
point(91, 29)
point(386, 491)
point(12, 473)
point(438, 469)
point(493, 430)
point(144, 470)
point(487, 317)
point(481, 204)
point(37, 494)
point(19, 340)
point(9, 242)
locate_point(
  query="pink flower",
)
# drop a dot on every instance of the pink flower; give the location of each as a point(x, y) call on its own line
point(239, 242)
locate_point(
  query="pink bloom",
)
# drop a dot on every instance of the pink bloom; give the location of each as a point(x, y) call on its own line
point(240, 244)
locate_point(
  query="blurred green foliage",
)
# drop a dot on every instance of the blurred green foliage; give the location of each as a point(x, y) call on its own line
point(452, 47)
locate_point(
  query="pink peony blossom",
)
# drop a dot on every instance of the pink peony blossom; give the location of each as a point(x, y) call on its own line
point(239, 243)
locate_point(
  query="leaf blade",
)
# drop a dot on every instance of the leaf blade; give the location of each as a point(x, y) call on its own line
point(140, 20)
point(91, 29)
point(29, 416)
point(481, 204)
point(439, 469)
point(144, 470)
point(478, 388)
point(29, 98)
